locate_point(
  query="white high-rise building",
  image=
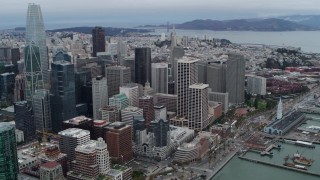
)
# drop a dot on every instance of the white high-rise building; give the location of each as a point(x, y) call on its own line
point(159, 77)
point(198, 106)
point(103, 158)
point(131, 90)
point(256, 84)
point(187, 74)
point(99, 95)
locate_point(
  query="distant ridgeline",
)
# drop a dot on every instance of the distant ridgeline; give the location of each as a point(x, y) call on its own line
point(109, 30)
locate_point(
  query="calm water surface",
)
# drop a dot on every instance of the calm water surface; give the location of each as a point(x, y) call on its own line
point(308, 41)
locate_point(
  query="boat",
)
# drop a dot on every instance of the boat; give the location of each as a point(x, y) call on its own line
point(292, 165)
point(297, 158)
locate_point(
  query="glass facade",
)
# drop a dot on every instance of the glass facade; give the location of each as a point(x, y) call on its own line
point(62, 99)
point(8, 152)
point(32, 71)
point(35, 33)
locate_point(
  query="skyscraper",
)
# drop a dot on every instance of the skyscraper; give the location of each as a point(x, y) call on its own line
point(117, 76)
point(161, 132)
point(119, 140)
point(235, 78)
point(8, 152)
point(42, 110)
point(98, 40)
point(131, 90)
point(63, 103)
point(160, 77)
point(216, 76)
point(35, 32)
point(119, 100)
point(70, 139)
point(256, 84)
point(146, 103)
point(198, 106)
point(7, 81)
point(187, 74)
point(32, 70)
point(24, 119)
point(142, 65)
point(19, 88)
point(99, 95)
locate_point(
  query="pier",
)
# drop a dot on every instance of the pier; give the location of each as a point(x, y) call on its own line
point(278, 166)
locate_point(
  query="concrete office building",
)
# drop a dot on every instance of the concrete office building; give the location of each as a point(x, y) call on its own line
point(222, 98)
point(160, 77)
point(176, 53)
point(98, 41)
point(160, 112)
point(131, 90)
point(19, 88)
point(109, 114)
point(256, 84)
point(216, 76)
point(119, 140)
point(235, 78)
point(70, 139)
point(146, 103)
point(168, 100)
point(130, 62)
point(198, 106)
point(142, 65)
point(51, 170)
point(117, 76)
point(119, 100)
point(187, 74)
point(99, 95)
point(128, 113)
point(92, 159)
point(42, 110)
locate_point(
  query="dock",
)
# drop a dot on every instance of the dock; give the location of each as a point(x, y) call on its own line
point(279, 166)
point(268, 149)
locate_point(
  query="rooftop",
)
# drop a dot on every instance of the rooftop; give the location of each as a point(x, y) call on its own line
point(5, 126)
point(114, 172)
point(88, 147)
point(199, 86)
point(74, 132)
point(131, 109)
point(186, 59)
point(50, 164)
point(78, 120)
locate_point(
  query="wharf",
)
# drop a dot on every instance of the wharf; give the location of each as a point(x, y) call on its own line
point(278, 166)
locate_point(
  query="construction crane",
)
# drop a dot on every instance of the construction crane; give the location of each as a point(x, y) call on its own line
point(44, 135)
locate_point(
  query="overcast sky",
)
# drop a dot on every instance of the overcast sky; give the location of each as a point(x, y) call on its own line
point(60, 13)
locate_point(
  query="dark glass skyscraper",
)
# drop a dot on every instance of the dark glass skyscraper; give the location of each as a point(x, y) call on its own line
point(160, 130)
point(24, 119)
point(8, 152)
point(98, 40)
point(62, 99)
point(142, 65)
